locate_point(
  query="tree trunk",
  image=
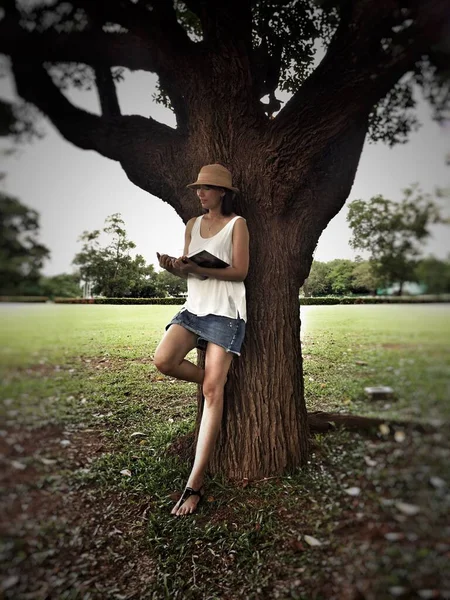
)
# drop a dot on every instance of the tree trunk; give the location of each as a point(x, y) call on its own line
point(264, 428)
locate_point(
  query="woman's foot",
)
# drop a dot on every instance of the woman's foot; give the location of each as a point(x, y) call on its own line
point(188, 502)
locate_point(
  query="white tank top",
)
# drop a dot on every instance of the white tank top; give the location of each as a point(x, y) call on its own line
point(215, 296)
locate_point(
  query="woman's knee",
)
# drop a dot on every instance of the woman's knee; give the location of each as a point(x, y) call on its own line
point(213, 390)
point(165, 364)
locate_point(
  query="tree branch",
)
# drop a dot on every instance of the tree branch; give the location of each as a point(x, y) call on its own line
point(86, 130)
point(107, 49)
point(169, 41)
point(107, 92)
point(364, 60)
point(224, 21)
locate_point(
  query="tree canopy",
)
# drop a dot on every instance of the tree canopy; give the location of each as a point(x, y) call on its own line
point(58, 44)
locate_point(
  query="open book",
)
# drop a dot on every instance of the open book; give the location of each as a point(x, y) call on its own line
point(203, 258)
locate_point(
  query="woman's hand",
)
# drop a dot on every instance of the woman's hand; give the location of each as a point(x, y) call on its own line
point(185, 265)
point(166, 261)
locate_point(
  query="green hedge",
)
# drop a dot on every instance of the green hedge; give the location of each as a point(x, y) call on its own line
point(23, 298)
point(120, 300)
point(303, 301)
point(375, 299)
point(323, 300)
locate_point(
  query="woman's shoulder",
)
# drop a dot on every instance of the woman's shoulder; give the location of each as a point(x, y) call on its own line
point(191, 222)
point(239, 220)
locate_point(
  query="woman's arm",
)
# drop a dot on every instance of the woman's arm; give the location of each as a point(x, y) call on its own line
point(168, 262)
point(237, 271)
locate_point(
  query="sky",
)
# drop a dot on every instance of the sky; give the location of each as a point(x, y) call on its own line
point(75, 190)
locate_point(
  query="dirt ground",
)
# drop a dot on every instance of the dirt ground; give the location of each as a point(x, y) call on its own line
point(72, 540)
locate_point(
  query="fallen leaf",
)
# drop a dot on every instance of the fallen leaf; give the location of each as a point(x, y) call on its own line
point(47, 461)
point(312, 541)
point(125, 472)
point(353, 491)
point(428, 594)
point(437, 482)
point(384, 429)
point(398, 590)
point(136, 433)
point(386, 501)
point(407, 509)
point(360, 362)
point(142, 442)
point(210, 499)
point(297, 546)
point(393, 536)
point(399, 436)
point(18, 465)
point(9, 582)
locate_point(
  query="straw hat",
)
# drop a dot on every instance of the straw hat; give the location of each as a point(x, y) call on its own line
point(216, 175)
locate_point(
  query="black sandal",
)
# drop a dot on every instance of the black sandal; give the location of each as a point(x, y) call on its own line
point(188, 492)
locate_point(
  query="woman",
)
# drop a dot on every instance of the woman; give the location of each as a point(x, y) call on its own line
point(213, 316)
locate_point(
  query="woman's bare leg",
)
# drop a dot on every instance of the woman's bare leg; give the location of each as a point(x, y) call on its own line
point(170, 353)
point(217, 364)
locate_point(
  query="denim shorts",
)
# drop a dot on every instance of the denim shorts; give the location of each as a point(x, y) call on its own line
point(223, 331)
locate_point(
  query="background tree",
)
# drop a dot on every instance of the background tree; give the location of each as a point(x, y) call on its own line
point(295, 166)
point(434, 274)
point(318, 282)
point(365, 281)
point(341, 276)
point(111, 269)
point(22, 256)
point(393, 233)
point(170, 285)
point(65, 285)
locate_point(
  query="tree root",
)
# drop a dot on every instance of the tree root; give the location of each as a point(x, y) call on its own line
point(322, 422)
point(318, 422)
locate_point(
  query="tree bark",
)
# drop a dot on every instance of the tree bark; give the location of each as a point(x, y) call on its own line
point(264, 428)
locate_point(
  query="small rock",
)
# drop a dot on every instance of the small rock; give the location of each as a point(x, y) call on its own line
point(65, 443)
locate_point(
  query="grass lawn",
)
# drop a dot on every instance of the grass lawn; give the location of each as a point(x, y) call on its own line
point(89, 476)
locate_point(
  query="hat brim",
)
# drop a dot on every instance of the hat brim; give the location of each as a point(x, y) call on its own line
point(196, 184)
